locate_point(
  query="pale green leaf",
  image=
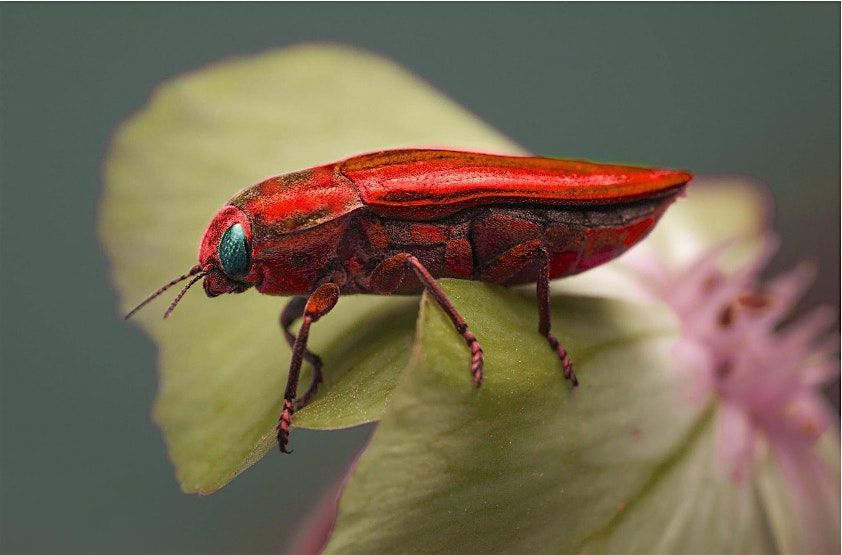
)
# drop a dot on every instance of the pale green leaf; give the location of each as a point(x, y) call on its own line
point(203, 137)
point(623, 464)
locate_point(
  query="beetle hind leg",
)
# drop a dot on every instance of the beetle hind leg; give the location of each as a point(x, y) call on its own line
point(292, 312)
point(508, 265)
point(387, 278)
point(544, 318)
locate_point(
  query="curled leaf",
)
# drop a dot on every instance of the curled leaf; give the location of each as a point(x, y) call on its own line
point(622, 464)
point(169, 168)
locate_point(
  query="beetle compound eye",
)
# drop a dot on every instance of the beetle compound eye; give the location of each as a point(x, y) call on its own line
point(234, 252)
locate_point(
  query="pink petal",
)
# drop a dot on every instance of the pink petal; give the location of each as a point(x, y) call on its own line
point(785, 290)
point(818, 373)
point(735, 442)
point(808, 329)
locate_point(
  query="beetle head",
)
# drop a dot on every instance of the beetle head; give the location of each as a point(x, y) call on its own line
point(225, 254)
point(225, 259)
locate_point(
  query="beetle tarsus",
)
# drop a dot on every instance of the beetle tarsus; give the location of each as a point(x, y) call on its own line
point(477, 363)
point(284, 425)
point(476, 373)
point(564, 356)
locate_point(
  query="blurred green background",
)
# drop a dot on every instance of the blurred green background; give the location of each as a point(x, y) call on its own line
point(717, 88)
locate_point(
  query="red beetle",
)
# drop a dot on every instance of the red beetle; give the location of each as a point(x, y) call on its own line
point(392, 222)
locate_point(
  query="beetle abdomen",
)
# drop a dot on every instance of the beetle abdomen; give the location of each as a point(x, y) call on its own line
point(467, 244)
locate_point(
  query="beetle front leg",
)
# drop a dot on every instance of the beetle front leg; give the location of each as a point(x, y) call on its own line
point(508, 265)
point(320, 303)
point(292, 312)
point(386, 279)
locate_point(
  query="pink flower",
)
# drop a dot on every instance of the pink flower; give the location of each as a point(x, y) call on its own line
point(766, 371)
point(768, 377)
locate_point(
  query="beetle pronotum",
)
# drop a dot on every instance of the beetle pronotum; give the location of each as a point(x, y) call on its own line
point(392, 222)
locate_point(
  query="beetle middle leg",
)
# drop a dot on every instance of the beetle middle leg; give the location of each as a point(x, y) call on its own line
point(294, 310)
point(508, 265)
point(320, 302)
point(387, 278)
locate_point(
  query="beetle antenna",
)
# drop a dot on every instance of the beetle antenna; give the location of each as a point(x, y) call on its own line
point(193, 271)
point(181, 293)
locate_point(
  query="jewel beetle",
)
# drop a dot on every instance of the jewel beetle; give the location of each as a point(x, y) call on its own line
point(392, 222)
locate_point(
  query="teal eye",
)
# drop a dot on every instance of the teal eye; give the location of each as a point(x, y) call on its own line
point(234, 252)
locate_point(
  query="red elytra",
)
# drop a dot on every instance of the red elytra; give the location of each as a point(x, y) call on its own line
point(393, 222)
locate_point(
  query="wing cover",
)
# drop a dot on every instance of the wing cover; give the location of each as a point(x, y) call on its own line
point(428, 184)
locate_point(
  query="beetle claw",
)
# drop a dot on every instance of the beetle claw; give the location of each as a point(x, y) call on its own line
point(283, 427)
point(477, 362)
point(476, 368)
point(283, 441)
point(571, 375)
